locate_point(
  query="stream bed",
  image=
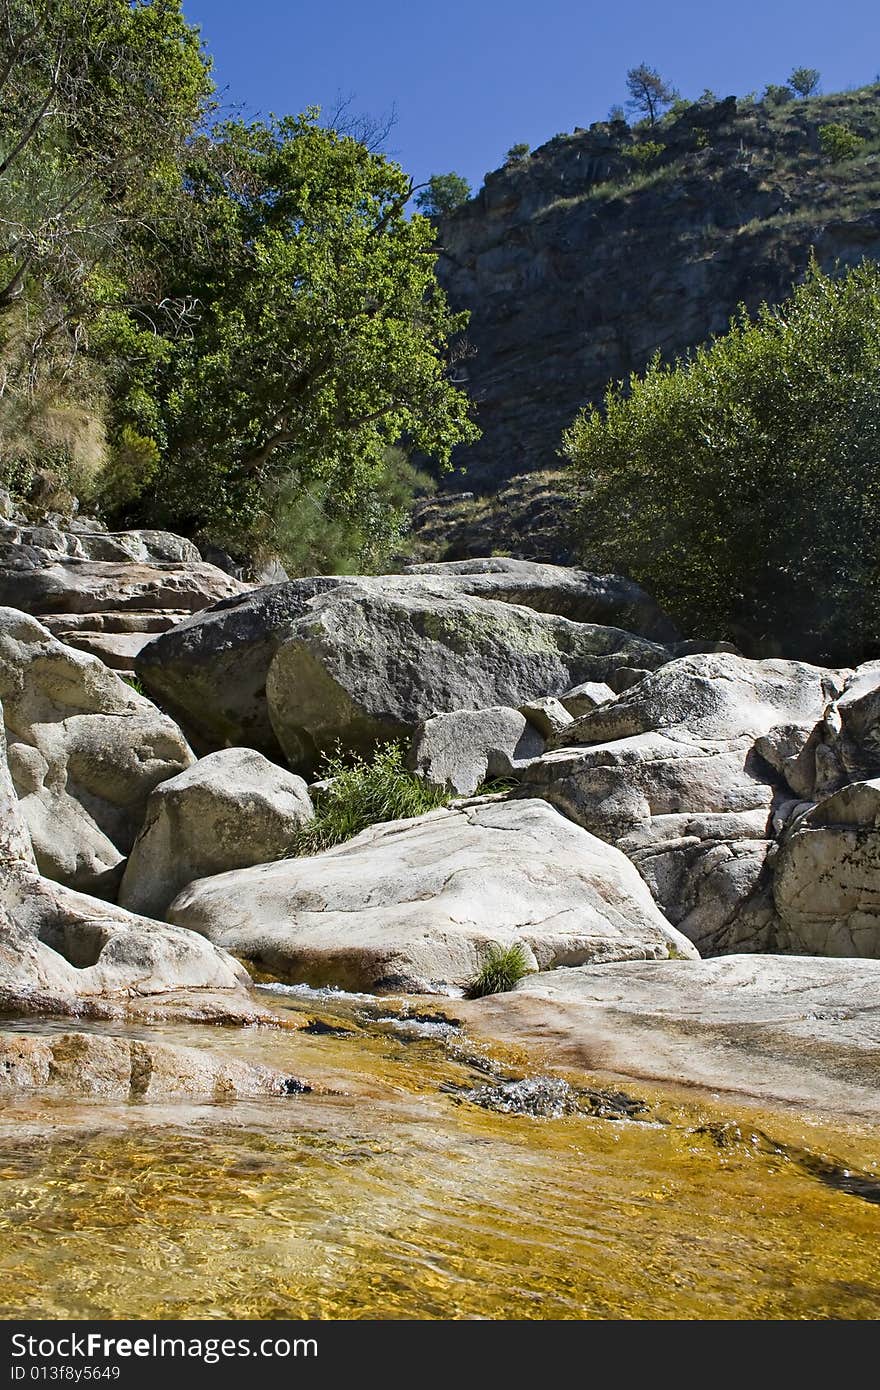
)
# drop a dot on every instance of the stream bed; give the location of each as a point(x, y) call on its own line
point(428, 1176)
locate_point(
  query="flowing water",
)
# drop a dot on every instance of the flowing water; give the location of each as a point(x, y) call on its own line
point(419, 1189)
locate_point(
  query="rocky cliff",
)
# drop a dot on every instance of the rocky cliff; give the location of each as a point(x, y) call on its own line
point(608, 245)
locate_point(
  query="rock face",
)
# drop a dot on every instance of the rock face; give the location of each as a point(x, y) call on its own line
point(91, 1066)
point(211, 671)
point(84, 751)
point(786, 1028)
point(366, 665)
point(669, 772)
point(574, 278)
point(416, 904)
point(827, 882)
point(105, 593)
point(228, 811)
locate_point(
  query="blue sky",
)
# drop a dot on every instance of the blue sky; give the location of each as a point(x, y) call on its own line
point(470, 79)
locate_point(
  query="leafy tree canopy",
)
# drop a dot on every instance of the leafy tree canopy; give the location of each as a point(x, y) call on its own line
point(741, 484)
point(444, 193)
point(805, 81)
point(231, 329)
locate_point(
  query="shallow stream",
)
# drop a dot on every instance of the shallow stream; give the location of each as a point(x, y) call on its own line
point(415, 1188)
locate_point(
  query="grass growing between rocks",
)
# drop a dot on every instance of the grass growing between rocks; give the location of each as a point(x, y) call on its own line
point(364, 793)
point(502, 970)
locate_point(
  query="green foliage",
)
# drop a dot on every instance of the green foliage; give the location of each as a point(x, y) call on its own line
point(130, 470)
point(741, 485)
point(501, 971)
point(645, 153)
point(444, 193)
point(517, 153)
point(777, 95)
point(363, 793)
point(617, 113)
point(97, 100)
point(805, 81)
point(229, 331)
point(838, 142)
point(649, 93)
point(320, 340)
point(701, 139)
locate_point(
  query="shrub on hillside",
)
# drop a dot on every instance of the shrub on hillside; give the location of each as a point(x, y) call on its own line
point(838, 142)
point(741, 484)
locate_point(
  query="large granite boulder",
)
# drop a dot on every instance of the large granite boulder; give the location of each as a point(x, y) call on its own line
point(229, 810)
point(464, 749)
point(608, 599)
point(827, 881)
point(85, 751)
point(415, 905)
point(778, 1028)
point(367, 664)
point(211, 670)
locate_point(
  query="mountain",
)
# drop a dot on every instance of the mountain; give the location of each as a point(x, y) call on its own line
point(582, 260)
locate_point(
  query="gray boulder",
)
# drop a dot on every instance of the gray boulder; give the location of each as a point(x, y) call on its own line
point(548, 715)
point(827, 881)
point(367, 664)
point(84, 752)
point(607, 599)
point(583, 699)
point(228, 811)
point(415, 904)
point(466, 748)
point(210, 672)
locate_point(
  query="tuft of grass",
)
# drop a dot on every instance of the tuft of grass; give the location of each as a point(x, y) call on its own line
point(135, 684)
point(502, 969)
point(363, 793)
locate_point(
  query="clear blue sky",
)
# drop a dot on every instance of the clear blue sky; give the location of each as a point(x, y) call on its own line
point(469, 78)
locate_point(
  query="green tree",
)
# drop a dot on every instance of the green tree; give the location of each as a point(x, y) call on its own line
point(617, 113)
point(741, 484)
point(805, 81)
point(443, 193)
point(517, 153)
point(838, 142)
point(649, 93)
point(320, 341)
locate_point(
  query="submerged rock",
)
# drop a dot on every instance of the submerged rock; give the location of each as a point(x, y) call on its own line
point(96, 1066)
point(796, 1029)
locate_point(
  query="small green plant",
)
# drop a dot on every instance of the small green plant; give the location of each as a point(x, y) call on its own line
point(517, 153)
point(645, 153)
point(502, 969)
point(363, 793)
point(135, 684)
point(838, 142)
point(776, 94)
point(701, 139)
